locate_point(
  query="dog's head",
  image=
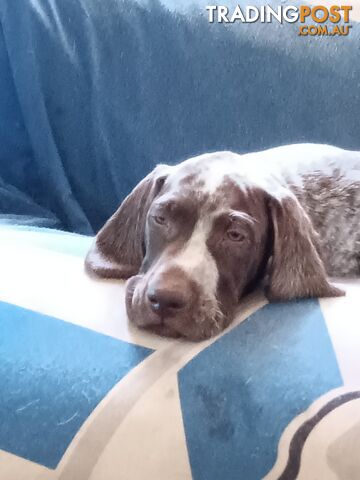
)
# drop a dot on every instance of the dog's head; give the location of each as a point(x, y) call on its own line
point(194, 238)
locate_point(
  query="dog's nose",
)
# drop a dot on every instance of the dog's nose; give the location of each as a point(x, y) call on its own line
point(165, 301)
point(169, 294)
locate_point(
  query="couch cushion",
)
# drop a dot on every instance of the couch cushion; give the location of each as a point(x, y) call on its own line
point(86, 395)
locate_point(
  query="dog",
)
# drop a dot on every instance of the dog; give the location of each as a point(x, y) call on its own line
point(196, 237)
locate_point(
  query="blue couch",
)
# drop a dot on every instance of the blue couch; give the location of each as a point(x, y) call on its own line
point(94, 93)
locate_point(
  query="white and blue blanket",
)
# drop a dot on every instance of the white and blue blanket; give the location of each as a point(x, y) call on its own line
point(84, 395)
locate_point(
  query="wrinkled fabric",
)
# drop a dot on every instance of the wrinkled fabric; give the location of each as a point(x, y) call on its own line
point(94, 93)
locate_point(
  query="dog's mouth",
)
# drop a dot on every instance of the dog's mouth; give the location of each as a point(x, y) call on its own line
point(203, 323)
point(163, 331)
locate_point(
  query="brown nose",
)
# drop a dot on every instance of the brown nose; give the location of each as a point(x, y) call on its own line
point(165, 301)
point(169, 294)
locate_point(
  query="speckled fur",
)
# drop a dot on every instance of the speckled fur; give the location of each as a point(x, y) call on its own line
point(333, 205)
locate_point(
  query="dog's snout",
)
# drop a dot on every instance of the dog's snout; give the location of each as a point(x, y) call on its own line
point(169, 302)
point(169, 293)
point(166, 300)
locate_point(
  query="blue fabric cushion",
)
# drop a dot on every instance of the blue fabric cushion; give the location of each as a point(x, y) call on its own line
point(94, 94)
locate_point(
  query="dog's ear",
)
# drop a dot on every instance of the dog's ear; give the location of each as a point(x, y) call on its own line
point(118, 248)
point(295, 269)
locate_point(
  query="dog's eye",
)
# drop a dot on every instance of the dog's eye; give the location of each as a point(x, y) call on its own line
point(235, 235)
point(159, 219)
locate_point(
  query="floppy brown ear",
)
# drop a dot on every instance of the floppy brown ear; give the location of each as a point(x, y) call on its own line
point(118, 249)
point(295, 270)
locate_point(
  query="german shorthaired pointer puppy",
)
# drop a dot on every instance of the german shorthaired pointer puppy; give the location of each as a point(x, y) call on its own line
point(196, 237)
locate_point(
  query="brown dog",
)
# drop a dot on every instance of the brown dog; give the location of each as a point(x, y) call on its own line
point(194, 238)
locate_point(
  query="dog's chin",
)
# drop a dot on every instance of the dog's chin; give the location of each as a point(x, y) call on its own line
point(162, 330)
point(195, 327)
point(190, 334)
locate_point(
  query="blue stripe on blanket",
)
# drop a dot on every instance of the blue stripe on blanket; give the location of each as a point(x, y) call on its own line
point(240, 393)
point(52, 376)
